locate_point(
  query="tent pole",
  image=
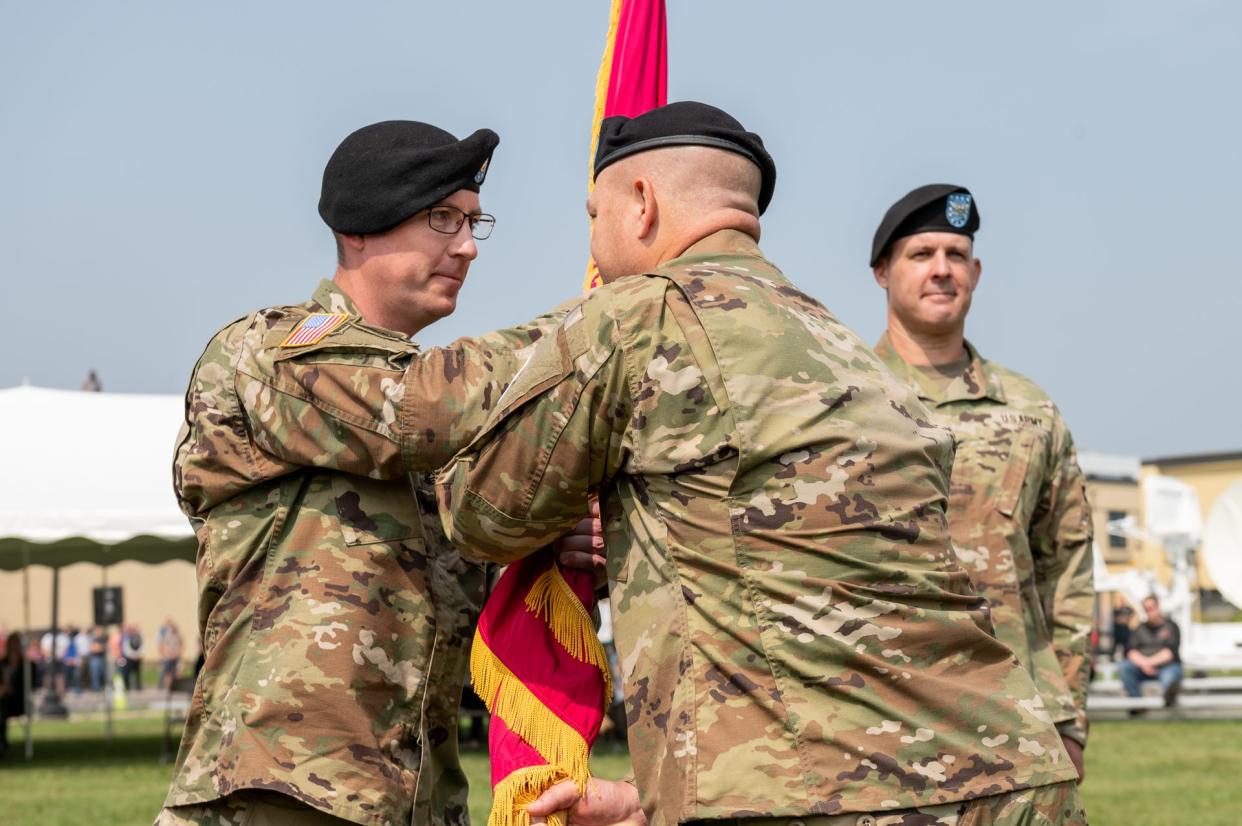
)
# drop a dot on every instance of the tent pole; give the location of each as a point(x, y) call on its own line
point(107, 693)
point(27, 666)
point(52, 705)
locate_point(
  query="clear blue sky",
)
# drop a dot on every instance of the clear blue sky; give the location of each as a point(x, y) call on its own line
point(160, 166)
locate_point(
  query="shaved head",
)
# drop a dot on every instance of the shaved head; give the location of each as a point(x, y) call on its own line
point(650, 207)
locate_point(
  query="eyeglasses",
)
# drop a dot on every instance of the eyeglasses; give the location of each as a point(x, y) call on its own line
point(448, 220)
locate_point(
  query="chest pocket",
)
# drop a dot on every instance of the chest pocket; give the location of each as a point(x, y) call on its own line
point(1026, 460)
point(373, 510)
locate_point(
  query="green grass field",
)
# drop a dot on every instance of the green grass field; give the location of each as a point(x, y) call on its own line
point(1146, 773)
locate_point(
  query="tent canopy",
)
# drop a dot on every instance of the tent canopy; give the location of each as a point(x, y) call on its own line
point(88, 478)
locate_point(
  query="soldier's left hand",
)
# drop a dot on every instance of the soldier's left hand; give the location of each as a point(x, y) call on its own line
point(583, 547)
point(1074, 750)
point(606, 803)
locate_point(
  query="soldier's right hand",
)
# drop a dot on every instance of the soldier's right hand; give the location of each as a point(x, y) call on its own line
point(606, 803)
point(583, 547)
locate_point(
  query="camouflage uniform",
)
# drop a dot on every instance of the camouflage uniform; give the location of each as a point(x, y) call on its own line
point(335, 617)
point(795, 634)
point(1020, 521)
point(1055, 805)
point(248, 808)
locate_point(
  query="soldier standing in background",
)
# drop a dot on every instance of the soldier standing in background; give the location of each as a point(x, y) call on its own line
point(1018, 511)
point(336, 618)
point(798, 641)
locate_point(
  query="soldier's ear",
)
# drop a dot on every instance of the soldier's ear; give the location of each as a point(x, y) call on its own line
point(974, 279)
point(880, 271)
point(648, 209)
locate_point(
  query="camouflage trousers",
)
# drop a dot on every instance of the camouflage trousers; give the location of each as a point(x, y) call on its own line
point(1055, 805)
point(248, 809)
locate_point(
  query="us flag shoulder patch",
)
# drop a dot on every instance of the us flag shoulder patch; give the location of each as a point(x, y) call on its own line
point(314, 328)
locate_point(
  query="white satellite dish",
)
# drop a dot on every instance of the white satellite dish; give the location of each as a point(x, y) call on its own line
point(1172, 509)
point(1222, 544)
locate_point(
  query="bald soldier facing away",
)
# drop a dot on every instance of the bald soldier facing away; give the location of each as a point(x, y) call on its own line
point(1018, 509)
point(797, 639)
point(336, 617)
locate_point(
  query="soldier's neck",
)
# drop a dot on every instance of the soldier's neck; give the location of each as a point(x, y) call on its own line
point(922, 349)
point(373, 307)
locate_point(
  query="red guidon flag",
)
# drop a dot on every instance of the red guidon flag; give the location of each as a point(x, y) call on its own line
point(536, 660)
point(633, 77)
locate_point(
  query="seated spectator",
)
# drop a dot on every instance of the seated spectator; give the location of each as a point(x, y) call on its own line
point(12, 687)
point(169, 643)
point(1153, 654)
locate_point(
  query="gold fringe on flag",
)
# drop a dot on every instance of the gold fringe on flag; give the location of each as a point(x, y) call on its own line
point(552, 600)
point(511, 796)
point(508, 698)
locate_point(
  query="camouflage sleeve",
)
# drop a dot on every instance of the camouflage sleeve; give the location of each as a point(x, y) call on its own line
point(1061, 542)
point(375, 405)
point(558, 431)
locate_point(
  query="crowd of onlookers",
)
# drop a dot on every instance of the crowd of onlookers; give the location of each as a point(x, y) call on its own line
point(83, 655)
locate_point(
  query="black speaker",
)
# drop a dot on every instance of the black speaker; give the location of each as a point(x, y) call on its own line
point(109, 608)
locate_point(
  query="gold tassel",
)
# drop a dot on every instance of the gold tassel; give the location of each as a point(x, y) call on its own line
point(509, 699)
point(512, 795)
point(552, 600)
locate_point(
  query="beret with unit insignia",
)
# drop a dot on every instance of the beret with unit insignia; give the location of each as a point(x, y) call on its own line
point(684, 123)
point(931, 208)
point(382, 174)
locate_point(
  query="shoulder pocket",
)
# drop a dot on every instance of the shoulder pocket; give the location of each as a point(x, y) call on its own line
point(373, 510)
point(550, 360)
point(1021, 454)
point(380, 353)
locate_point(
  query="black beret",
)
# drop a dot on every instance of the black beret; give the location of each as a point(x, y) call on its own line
point(931, 208)
point(384, 173)
point(685, 123)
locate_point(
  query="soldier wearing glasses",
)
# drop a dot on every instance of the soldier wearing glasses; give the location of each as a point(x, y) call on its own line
point(336, 618)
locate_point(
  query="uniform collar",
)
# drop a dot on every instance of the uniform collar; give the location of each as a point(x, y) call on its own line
point(978, 381)
point(727, 241)
point(333, 299)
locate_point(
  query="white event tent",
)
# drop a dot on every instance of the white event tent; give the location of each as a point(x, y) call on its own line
point(87, 477)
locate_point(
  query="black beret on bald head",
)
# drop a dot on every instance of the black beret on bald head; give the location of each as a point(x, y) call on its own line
point(931, 208)
point(384, 173)
point(685, 123)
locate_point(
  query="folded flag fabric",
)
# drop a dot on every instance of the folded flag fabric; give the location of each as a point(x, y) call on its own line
point(543, 674)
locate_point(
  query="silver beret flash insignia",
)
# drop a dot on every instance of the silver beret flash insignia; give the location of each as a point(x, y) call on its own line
point(957, 209)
